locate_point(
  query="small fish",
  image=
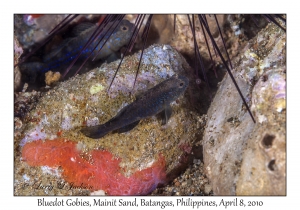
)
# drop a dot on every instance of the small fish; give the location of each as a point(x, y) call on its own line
point(156, 100)
point(70, 47)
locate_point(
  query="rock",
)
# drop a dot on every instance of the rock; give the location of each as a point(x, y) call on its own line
point(184, 42)
point(142, 157)
point(33, 29)
point(162, 32)
point(25, 102)
point(17, 73)
point(242, 157)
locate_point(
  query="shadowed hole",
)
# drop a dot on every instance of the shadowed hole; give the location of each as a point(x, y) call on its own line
point(265, 78)
point(268, 140)
point(271, 165)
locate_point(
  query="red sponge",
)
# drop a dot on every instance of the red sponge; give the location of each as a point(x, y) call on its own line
point(101, 172)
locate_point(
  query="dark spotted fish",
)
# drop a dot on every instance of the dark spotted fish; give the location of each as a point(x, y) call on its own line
point(156, 100)
point(70, 47)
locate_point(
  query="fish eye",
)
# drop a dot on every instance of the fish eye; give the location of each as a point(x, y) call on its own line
point(181, 84)
point(124, 28)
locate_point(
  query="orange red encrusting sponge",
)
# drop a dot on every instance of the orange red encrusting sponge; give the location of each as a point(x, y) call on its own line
point(102, 173)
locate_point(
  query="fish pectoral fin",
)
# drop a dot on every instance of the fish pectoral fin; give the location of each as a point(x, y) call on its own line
point(128, 127)
point(166, 113)
point(112, 57)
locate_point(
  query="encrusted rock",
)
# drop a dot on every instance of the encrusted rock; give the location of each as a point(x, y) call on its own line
point(17, 73)
point(242, 157)
point(84, 101)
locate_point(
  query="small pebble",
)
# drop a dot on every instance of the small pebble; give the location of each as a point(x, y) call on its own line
point(207, 188)
point(51, 77)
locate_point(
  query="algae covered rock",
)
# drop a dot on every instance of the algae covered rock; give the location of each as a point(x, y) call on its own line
point(242, 157)
point(148, 154)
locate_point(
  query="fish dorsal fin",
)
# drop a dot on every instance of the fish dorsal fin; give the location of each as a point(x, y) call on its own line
point(139, 95)
point(82, 27)
point(56, 50)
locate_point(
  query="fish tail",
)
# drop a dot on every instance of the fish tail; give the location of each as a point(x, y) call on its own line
point(32, 67)
point(95, 132)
